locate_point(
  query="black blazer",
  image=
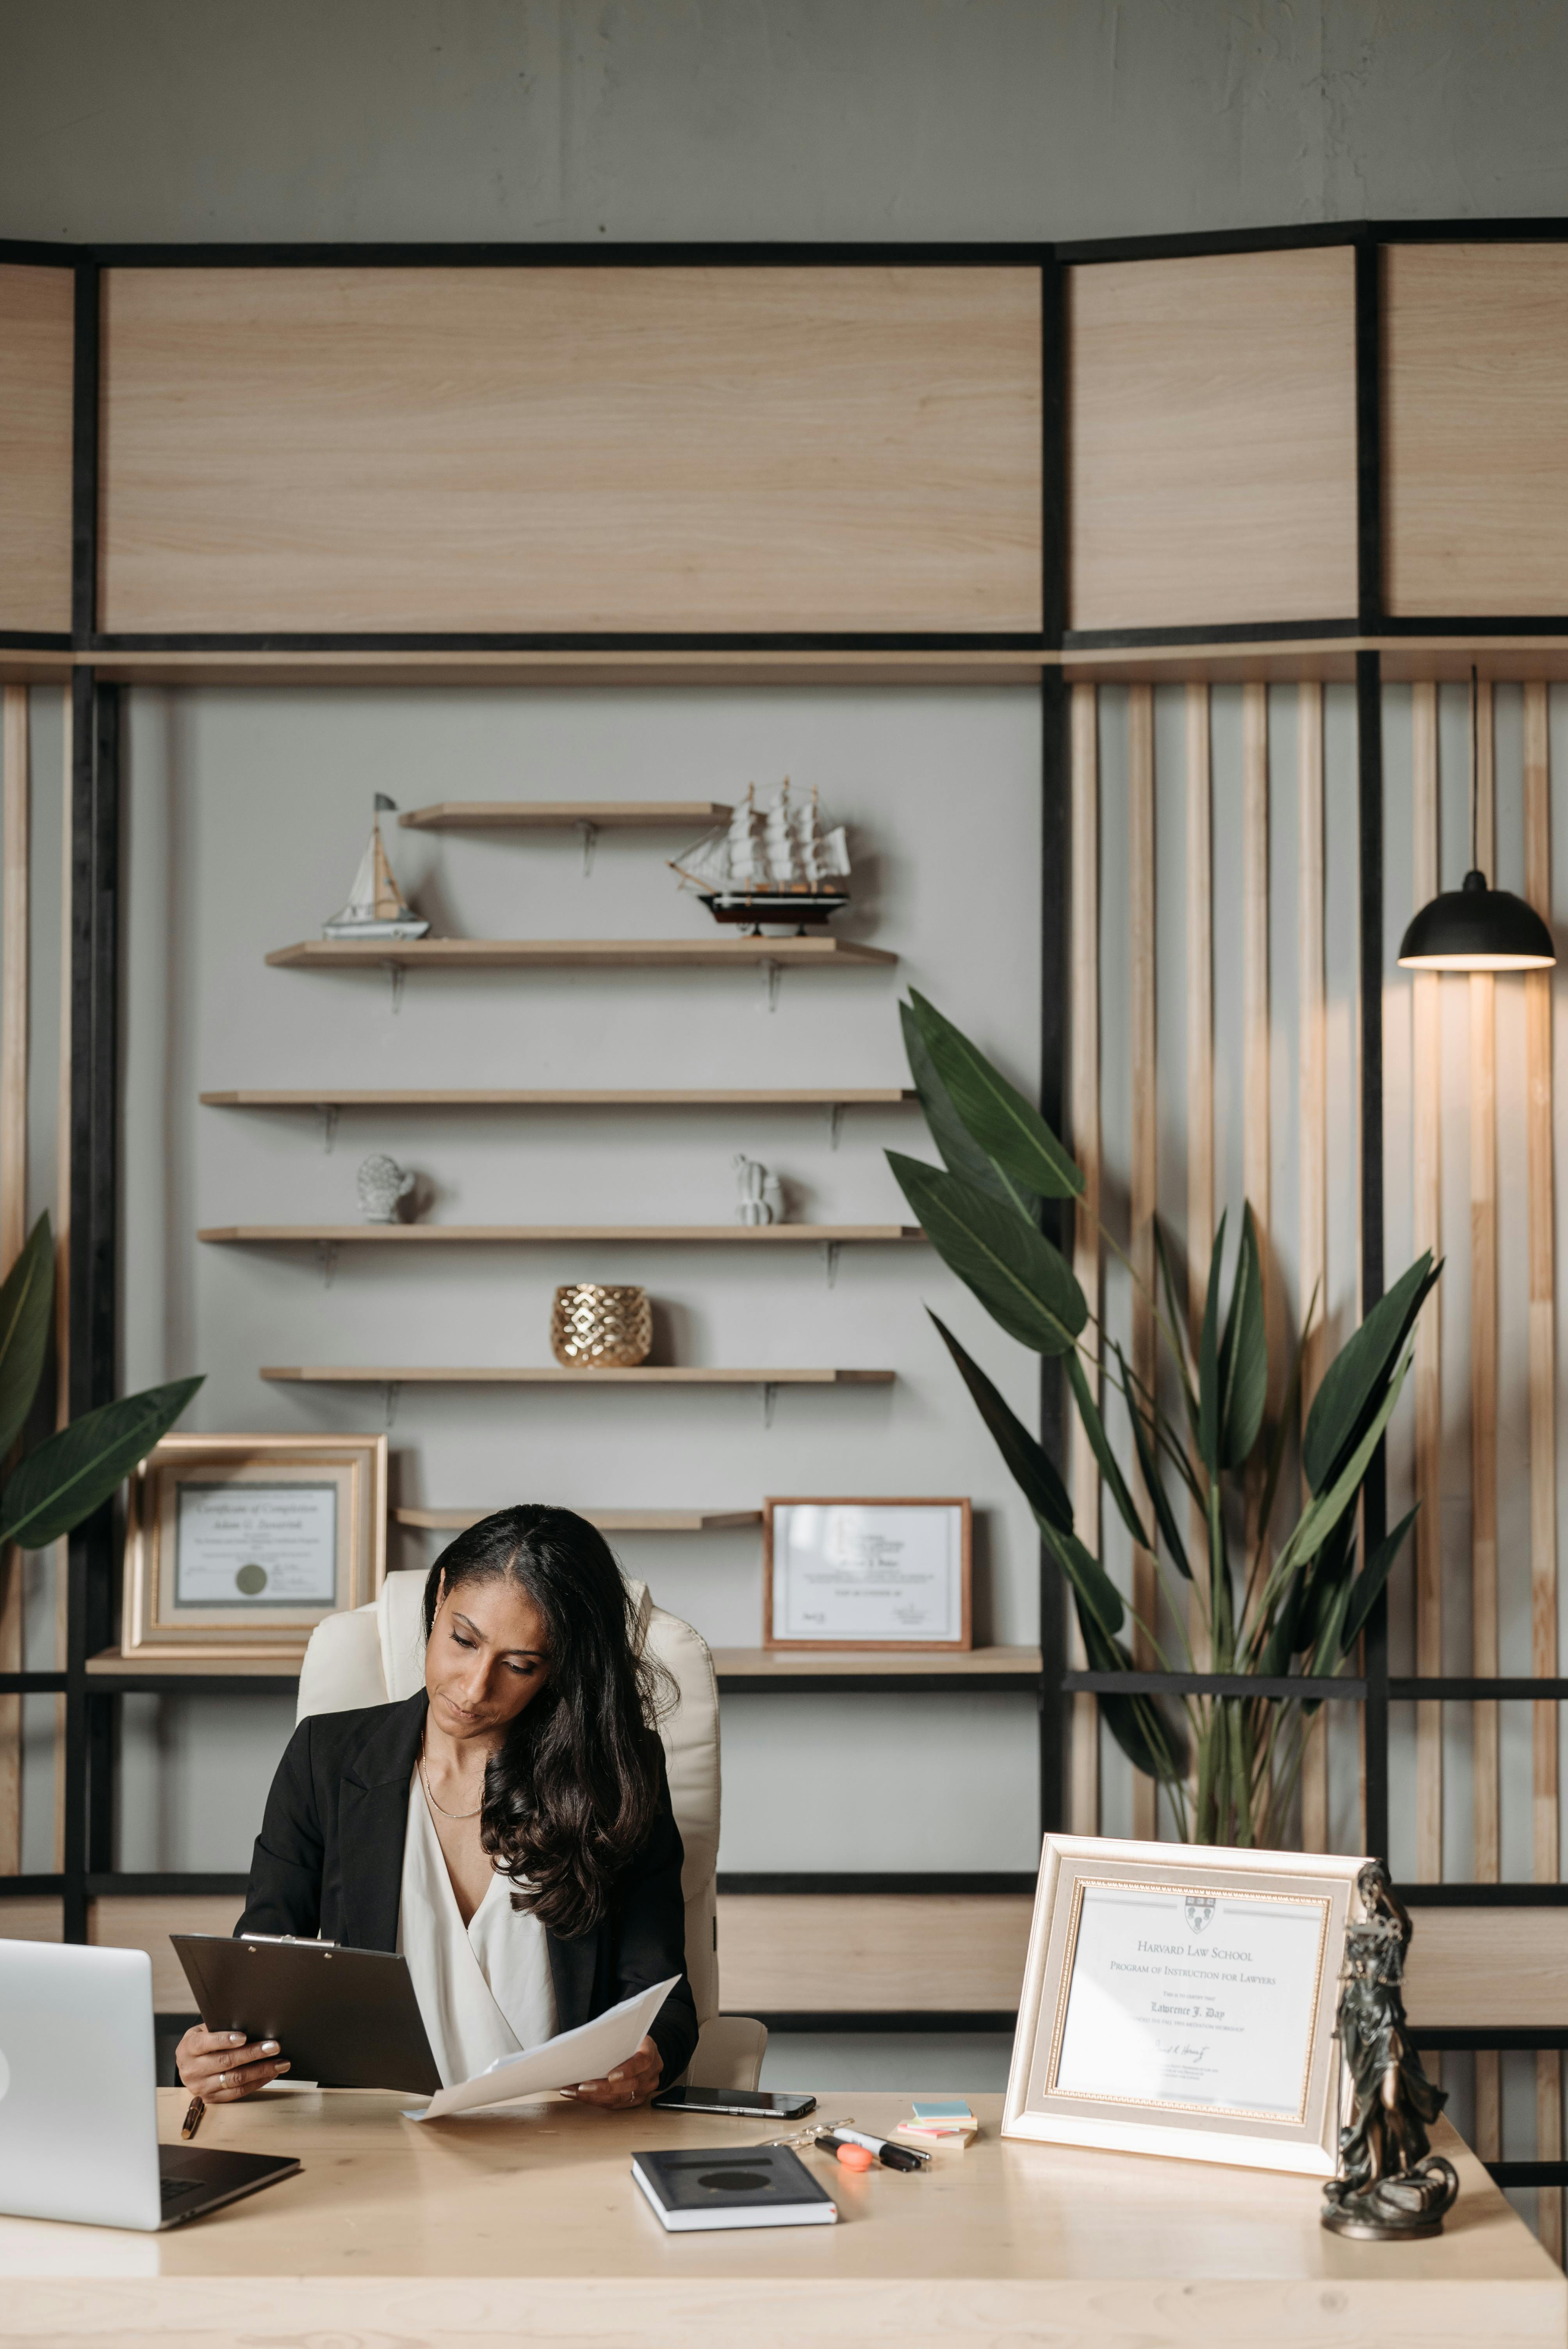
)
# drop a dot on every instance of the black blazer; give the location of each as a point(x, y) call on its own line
point(329, 1861)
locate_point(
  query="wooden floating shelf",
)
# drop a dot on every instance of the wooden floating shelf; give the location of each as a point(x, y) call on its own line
point(556, 815)
point(576, 954)
point(110, 1663)
point(625, 1097)
point(609, 1521)
point(874, 1663)
point(958, 663)
point(539, 1375)
point(547, 1235)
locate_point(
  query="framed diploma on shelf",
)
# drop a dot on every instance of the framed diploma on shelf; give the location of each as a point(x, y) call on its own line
point(1179, 1999)
point(841, 1573)
point(239, 1545)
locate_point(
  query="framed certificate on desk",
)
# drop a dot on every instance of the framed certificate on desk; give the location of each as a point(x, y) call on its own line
point(1180, 2000)
point(239, 1545)
point(841, 1573)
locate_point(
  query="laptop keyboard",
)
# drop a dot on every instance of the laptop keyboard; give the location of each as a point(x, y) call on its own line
point(176, 2190)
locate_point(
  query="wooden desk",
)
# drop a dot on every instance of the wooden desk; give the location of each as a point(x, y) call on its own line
point(529, 2227)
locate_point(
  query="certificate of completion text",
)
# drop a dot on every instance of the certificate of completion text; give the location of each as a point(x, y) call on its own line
point(256, 1546)
point(1199, 2000)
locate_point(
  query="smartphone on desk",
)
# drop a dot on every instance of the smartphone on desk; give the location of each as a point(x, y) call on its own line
point(747, 2104)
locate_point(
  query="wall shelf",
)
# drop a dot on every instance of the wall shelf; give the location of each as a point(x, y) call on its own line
point(714, 952)
point(625, 1097)
point(547, 1235)
point(559, 815)
point(113, 1674)
point(543, 1375)
point(978, 1671)
point(608, 1521)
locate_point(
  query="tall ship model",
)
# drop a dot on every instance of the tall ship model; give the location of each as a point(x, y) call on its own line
point(773, 863)
point(376, 908)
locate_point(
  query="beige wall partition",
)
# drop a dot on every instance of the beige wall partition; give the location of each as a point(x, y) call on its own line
point(36, 374)
point(556, 449)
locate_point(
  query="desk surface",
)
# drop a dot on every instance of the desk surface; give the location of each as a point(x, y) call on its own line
point(493, 2227)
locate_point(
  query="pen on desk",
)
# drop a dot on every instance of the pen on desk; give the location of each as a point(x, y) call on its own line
point(892, 2156)
point(193, 2120)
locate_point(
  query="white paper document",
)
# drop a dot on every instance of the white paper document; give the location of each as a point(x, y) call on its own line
point(1201, 2001)
point(589, 2052)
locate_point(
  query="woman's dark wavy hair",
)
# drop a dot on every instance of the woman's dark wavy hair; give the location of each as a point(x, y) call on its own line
point(572, 1795)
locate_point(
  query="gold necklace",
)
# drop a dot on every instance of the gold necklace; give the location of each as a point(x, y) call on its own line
point(425, 1782)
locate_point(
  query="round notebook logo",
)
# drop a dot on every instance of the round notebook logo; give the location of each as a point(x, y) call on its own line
point(734, 2181)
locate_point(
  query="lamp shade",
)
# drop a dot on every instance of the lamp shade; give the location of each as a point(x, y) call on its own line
point(1477, 928)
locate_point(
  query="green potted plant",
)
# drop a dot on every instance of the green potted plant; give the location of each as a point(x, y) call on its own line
point(1272, 1607)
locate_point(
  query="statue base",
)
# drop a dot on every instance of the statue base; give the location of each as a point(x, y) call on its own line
point(1403, 2208)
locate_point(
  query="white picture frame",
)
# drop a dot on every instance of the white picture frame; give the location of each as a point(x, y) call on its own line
point(1180, 2000)
point(847, 1571)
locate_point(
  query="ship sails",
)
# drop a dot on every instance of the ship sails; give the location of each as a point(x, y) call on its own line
point(779, 850)
point(376, 908)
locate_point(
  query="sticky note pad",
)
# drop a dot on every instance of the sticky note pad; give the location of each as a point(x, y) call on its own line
point(942, 2109)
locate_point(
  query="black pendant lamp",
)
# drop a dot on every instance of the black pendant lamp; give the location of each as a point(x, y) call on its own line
point(1475, 927)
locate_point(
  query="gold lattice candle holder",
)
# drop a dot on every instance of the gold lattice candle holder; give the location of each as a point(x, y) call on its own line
point(596, 1328)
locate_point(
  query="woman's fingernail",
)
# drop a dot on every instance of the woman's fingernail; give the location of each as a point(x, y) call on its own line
point(279, 2067)
point(269, 2047)
point(236, 2038)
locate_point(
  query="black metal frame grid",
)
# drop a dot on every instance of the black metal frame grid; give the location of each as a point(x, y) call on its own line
point(90, 1701)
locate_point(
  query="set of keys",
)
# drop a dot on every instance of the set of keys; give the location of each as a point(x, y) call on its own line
point(855, 2149)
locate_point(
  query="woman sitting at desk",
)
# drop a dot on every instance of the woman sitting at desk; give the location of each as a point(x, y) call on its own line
point(509, 1828)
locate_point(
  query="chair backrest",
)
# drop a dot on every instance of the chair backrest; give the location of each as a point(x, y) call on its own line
point(376, 1653)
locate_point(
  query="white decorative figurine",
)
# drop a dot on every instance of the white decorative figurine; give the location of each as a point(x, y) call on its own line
point(761, 1194)
point(383, 1184)
point(376, 908)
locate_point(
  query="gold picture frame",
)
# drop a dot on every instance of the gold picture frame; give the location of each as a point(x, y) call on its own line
point(937, 1582)
point(239, 1546)
point(1180, 2000)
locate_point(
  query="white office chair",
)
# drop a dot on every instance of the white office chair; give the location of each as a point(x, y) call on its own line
point(376, 1654)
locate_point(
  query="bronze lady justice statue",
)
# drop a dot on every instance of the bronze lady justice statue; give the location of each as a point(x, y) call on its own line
point(1390, 2186)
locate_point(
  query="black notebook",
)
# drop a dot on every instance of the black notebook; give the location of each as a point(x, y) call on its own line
point(732, 2186)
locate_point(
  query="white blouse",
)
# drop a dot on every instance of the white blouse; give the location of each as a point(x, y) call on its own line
point(484, 1989)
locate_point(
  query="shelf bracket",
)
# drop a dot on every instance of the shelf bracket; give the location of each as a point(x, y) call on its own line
point(390, 1394)
point(327, 1261)
point(772, 972)
point(397, 974)
point(835, 1123)
point(329, 1116)
point(831, 1259)
point(589, 836)
point(770, 1400)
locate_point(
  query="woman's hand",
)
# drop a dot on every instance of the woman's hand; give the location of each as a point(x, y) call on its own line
point(220, 2067)
point(631, 2083)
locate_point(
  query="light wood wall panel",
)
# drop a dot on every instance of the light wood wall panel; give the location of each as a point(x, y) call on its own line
point(37, 335)
point(1313, 1155)
point(1475, 480)
point(1211, 439)
point(1084, 1472)
point(1426, 1079)
point(571, 448)
point(854, 1954)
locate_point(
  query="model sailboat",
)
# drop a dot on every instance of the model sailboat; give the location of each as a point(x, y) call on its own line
point(376, 908)
point(778, 864)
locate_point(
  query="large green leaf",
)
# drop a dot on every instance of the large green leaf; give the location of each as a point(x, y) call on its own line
point(1209, 1411)
point(1100, 1606)
point(1323, 1512)
point(1148, 1467)
point(1099, 1444)
point(1023, 1283)
point(1354, 1382)
point(960, 1154)
point(1007, 1127)
point(1149, 1740)
point(27, 1302)
point(1243, 1354)
point(1363, 1594)
point(1028, 1463)
point(71, 1474)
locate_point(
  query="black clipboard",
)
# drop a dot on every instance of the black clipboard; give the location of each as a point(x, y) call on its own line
point(348, 2018)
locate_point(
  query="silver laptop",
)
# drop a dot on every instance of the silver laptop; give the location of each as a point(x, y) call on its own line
point(79, 2110)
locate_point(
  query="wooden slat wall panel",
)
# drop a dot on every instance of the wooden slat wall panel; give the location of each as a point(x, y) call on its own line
point(1426, 1079)
point(1144, 1182)
point(698, 450)
point(1475, 351)
point(1312, 1013)
point(852, 1952)
point(14, 829)
point(1200, 847)
point(1186, 379)
point(36, 342)
point(1084, 1743)
point(1486, 1793)
point(1257, 1129)
point(1545, 1824)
